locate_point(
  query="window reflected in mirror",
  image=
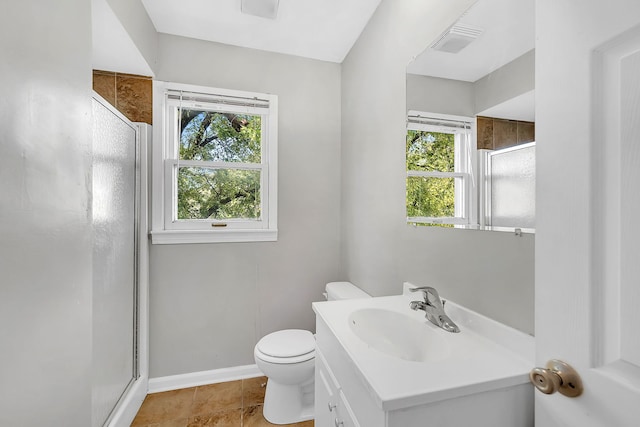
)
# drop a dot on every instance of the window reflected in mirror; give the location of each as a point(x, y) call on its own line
point(473, 176)
point(441, 186)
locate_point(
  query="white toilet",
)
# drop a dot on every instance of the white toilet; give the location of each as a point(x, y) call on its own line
point(287, 359)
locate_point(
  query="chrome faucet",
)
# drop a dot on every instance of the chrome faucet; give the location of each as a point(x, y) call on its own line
point(433, 306)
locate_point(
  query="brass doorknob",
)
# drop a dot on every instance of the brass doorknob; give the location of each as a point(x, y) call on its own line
point(558, 376)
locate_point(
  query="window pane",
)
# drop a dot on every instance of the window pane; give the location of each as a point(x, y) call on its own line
point(430, 197)
point(218, 193)
point(430, 151)
point(223, 137)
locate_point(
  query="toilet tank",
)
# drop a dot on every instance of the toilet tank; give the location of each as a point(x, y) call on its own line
point(343, 290)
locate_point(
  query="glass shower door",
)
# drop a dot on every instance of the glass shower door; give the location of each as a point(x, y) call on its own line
point(511, 188)
point(114, 259)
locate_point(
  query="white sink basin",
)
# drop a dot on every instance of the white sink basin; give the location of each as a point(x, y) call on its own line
point(404, 361)
point(399, 335)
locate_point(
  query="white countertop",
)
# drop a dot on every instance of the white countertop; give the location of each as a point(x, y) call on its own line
point(486, 355)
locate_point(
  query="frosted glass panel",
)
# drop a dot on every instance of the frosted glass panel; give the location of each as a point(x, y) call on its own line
point(512, 178)
point(114, 284)
point(630, 210)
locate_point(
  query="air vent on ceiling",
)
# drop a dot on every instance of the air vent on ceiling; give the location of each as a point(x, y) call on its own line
point(456, 38)
point(262, 8)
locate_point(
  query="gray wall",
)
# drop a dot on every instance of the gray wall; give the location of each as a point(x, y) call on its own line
point(133, 17)
point(443, 96)
point(437, 95)
point(45, 216)
point(486, 271)
point(210, 303)
point(514, 79)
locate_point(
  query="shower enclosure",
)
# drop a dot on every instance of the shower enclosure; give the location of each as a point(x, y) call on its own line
point(119, 243)
point(510, 188)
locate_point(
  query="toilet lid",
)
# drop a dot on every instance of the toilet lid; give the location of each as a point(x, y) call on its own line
point(287, 343)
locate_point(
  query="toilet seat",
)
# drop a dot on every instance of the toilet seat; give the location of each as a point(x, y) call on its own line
point(286, 346)
point(285, 360)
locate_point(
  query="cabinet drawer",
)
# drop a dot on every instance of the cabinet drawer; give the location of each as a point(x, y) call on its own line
point(344, 415)
point(355, 391)
point(326, 389)
point(331, 406)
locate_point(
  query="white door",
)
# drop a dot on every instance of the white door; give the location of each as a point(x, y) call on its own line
point(588, 207)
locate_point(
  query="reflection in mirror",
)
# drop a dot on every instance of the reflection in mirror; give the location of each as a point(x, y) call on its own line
point(441, 188)
point(510, 187)
point(470, 122)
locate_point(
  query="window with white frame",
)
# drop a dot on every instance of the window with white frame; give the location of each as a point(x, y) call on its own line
point(440, 184)
point(214, 165)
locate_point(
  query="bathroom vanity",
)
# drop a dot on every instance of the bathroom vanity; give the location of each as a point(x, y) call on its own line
point(380, 364)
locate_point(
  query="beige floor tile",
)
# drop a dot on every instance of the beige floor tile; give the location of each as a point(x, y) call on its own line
point(217, 397)
point(253, 391)
point(182, 422)
point(309, 423)
point(231, 404)
point(252, 417)
point(165, 406)
point(231, 418)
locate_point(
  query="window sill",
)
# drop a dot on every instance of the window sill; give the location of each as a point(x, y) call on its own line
point(175, 237)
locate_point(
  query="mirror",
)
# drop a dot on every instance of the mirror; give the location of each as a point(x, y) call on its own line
point(471, 122)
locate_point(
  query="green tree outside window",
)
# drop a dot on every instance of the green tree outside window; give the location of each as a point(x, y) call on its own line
point(430, 152)
point(221, 193)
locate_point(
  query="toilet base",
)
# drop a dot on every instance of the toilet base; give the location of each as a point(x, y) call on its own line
point(288, 404)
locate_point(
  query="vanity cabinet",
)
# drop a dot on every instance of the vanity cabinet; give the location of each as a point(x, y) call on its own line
point(338, 389)
point(345, 398)
point(332, 408)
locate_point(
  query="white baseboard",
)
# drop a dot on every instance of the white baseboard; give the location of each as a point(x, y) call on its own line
point(194, 379)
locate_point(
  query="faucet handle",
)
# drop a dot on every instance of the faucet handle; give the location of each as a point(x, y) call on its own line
point(426, 290)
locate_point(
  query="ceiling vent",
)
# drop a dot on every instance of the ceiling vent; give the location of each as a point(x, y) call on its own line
point(262, 8)
point(456, 38)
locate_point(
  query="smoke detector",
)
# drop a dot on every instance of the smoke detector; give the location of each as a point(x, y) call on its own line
point(456, 38)
point(263, 8)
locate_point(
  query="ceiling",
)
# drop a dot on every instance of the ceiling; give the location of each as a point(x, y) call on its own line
point(324, 30)
point(509, 32)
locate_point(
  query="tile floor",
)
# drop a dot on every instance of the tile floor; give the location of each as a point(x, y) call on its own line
point(230, 404)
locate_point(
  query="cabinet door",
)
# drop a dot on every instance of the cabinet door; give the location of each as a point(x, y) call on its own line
point(344, 414)
point(326, 389)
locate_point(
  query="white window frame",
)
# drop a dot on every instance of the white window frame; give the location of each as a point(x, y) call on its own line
point(466, 195)
point(166, 228)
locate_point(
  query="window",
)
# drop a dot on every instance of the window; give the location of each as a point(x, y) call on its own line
point(214, 165)
point(441, 187)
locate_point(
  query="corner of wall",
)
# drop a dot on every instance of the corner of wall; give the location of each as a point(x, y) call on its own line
point(511, 80)
point(135, 20)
